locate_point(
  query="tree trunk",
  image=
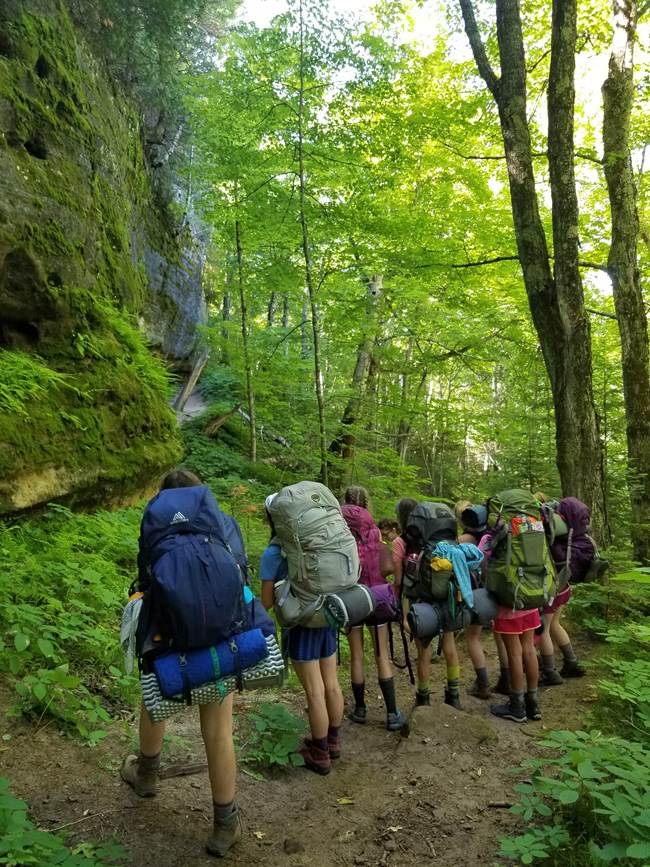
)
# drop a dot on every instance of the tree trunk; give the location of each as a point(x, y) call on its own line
point(556, 304)
point(343, 444)
point(225, 310)
point(309, 277)
point(623, 269)
point(250, 393)
point(270, 311)
point(186, 392)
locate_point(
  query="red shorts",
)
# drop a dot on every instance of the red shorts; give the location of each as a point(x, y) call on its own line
point(508, 623)
point(561, 599)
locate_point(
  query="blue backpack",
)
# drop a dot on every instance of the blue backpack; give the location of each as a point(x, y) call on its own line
point(189, 571)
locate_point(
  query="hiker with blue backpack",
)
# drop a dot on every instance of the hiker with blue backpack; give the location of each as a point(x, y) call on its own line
point(368, 538)
point(310, 643)
point(184, 535)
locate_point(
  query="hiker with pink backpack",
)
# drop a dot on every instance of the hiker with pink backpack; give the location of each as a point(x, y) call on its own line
point(368, 538)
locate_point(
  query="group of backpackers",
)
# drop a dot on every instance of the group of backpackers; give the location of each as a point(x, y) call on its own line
point(199, 633)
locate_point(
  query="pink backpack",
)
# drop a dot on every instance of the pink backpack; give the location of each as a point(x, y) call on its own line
point(368, 539)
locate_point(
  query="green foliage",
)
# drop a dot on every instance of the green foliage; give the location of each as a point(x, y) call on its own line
point(24, 377)
point(600, 789)
point(275, 736)
point(60, 611)
point(22, 843)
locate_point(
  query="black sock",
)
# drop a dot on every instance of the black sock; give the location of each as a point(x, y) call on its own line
point(387, 687)
point(358, 691)
point(223, 811)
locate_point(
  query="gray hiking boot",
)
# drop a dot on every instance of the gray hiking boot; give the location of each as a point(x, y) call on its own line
point(572, 668)
point(225, 833)
point(395, 721)
point(358, 715)
point(502, 686)
point(141, 773)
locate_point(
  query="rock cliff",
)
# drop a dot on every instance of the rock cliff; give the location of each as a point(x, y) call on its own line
point(94, 272)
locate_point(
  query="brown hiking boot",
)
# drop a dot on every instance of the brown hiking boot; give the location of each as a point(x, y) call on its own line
point(480, 690)
point(225, 833)
point(141, 773)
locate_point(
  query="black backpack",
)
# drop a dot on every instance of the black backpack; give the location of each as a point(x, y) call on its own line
point(428, 524)
point(193, 585)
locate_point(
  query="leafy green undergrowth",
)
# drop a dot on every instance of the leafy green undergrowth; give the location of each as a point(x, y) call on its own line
point(590, 805)
point(22, 843)
point(60, 612)
point(274, 734)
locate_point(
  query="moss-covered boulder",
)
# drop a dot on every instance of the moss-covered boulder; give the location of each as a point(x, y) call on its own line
point(93, 271)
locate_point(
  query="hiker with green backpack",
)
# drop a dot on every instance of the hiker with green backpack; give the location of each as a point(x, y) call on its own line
point(520, 573)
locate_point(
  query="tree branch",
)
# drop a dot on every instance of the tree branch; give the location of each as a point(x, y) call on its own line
point(478, 49)
point(600, 313)
point(470, 264)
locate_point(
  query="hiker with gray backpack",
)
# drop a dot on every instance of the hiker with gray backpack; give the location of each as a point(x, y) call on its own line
point(311, 555)
point(368, 538)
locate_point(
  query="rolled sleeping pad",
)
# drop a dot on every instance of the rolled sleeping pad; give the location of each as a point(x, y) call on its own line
point(475, 518)
point(349, 607)
point(427, 620)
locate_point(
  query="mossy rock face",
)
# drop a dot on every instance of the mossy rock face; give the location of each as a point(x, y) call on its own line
point(90, 275)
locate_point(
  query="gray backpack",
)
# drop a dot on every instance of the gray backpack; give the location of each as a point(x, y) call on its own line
point(320, 551)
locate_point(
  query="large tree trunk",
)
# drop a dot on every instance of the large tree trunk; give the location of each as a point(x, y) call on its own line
point(344, 442)
point(250, 392)
point(623, 269)
point(555, 303)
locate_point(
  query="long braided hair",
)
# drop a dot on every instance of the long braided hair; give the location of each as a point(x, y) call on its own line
point(356, 496)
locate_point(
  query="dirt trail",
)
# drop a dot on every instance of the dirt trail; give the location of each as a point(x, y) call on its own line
point(389, 800)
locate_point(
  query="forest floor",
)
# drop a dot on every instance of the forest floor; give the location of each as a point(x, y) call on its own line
point(440, 792)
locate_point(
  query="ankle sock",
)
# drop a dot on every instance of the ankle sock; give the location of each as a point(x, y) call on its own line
point(517, 696)
point(334, 733)
point(149, 763)
point(548, 660)
point(223, 811)
point(531, 694)
point(359, 692)
point(567, 652)
point(504, 672)
point(423, 687)
point(387, 687)
point(482, 676)
point(320, 743)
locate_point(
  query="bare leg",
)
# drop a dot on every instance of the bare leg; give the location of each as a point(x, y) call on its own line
point(474, 646)
point(515, 661)
point(355, 642)
point(545, 639)
point(309, 675)
point(379, 637)
point(559, 635)
point(216, 729)
point(333, 694)
point(423, 661)
point(151, 734)
point(529, 659)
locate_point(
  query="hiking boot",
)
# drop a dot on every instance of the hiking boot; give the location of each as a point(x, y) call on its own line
point(334, 745)
point(316, 760)
point(395, 721)
point(141, 773)
point(358, 715)
point(502, 686)
point(422, 698)
point(479, 690)
point(533, 710)
point(550, 677)
point(453, 699)
point(572, 668)
point(225, 833)
point(512, 709)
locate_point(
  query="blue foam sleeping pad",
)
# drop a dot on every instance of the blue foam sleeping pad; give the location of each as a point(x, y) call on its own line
point(178, 672)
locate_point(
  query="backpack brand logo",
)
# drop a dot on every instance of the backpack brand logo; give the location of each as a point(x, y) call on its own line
point(179, 518)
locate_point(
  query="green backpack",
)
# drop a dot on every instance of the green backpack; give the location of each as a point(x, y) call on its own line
point(320, 551)
point(520, 571)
